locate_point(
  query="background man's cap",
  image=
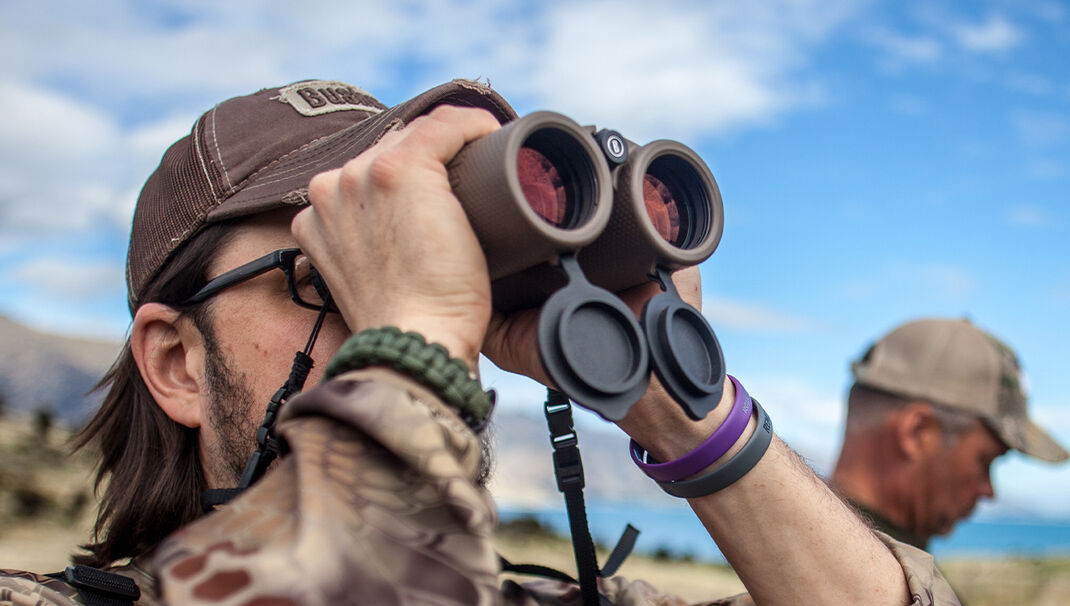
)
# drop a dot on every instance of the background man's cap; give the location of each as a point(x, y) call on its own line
point(955, 364)
point(258, 152)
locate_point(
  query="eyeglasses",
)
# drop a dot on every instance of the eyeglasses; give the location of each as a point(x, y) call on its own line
point(307, 287)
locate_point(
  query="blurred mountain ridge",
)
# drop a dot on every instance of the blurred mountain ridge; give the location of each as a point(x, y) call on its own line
point(51, 372)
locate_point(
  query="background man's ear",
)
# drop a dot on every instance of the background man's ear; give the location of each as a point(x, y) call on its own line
point(169, 351)
point(917, 430)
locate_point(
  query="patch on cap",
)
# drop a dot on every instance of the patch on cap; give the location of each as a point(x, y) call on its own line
point(318, 97)
point(1012, 394)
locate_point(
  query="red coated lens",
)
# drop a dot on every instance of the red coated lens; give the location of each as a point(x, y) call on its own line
point(543, 186)
point(661, 208)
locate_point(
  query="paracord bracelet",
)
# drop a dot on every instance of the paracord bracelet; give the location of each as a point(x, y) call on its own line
point(704, 454)
point(427, 363)
point(736, 467)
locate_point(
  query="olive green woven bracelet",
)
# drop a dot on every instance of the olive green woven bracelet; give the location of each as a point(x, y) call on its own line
point(428, 364)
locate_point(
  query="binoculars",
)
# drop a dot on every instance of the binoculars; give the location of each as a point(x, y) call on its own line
point(567, 216)
point(542, 185)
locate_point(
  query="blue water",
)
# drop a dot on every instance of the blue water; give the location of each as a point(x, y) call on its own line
point(678, 532)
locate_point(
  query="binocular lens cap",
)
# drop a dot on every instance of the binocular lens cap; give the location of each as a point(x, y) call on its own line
point(685, 354)
point(600, 345)
point(593, 349)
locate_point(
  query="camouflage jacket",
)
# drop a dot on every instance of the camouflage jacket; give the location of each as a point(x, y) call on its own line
point(376, 504)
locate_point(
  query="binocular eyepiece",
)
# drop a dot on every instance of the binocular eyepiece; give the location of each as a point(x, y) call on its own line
point(567, 216)
point(542, 185)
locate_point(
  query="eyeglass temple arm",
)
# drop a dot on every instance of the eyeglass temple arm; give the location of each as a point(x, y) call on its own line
point(239, 274)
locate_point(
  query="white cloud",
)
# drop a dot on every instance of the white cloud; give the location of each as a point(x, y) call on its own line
point(1041, 128)
point(58, 163)
point(915, 283)
point(700, 68)
point(153, 138)
point(1030, 83)
point(997, 34)
point(902, 48)
point(139, 49)
point(50, 126)
point(70, 279)
point(67, 167)
point(1029, 215)
point(691, 68)
point(752, 317)
point(908, 105)
point(1051, 11)
point(1047, 168)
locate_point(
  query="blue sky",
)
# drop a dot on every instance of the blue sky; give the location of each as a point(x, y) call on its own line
point(878, 161)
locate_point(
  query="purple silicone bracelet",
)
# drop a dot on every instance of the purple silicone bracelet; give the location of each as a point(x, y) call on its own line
point(706, 453)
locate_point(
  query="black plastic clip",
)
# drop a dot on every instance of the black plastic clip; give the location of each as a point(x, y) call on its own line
point(568, 466)
point(100, 588)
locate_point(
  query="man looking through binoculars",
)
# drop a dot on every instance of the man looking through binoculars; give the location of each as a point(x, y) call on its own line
point(375, 499)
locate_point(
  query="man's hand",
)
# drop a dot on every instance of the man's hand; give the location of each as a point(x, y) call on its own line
point(393, 242)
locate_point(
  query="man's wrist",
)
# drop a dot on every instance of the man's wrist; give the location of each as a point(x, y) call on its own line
point(664, 429)
point(443, 333)
point(430, 364)
point(711, 450)
point(719, 461)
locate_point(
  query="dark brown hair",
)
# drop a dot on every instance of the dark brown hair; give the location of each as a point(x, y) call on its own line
point(151, 464)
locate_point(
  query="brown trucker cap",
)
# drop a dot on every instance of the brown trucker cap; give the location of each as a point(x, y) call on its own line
point(258, 152)
point(951, 362)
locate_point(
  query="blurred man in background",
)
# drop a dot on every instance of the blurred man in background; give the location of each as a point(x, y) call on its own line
point(934, 402)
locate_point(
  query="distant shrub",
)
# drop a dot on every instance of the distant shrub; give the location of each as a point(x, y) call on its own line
point(42, 423)
point(526, 525)
point(662, 554)
point(665, 554)
point(30, 502)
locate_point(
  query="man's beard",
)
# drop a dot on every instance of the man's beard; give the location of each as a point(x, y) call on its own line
point(228, 416)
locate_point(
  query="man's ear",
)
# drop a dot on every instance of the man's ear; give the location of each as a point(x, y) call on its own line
point(169, 351)
point(917, 430)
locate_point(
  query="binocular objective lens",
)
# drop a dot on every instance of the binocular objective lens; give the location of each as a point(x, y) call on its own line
point(543, 186)
point(661, 208)
point(677, 201)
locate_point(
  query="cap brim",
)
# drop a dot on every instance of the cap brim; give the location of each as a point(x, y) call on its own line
point(285, 182)
point(1026, 436)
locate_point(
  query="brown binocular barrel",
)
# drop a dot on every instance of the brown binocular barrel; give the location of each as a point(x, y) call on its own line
point(667, 211)
point(536, 187)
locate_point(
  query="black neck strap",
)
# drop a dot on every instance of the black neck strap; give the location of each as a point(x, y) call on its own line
point(568, 469)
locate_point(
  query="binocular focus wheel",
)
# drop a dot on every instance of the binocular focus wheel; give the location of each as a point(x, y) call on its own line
point(593, 349)
point(685, 354)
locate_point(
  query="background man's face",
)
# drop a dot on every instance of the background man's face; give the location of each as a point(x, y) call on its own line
point(957, 477)
point(256, 329)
